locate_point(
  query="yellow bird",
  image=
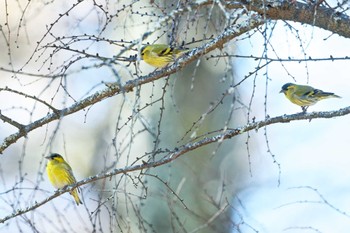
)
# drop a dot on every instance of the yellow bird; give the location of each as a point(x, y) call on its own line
point(160, 55)
point(60, 174)
point(304, 95)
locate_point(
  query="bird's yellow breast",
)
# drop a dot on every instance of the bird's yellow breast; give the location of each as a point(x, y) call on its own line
point(60, 174)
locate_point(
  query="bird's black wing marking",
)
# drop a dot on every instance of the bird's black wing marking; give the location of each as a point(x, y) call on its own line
point(309, 93)
point(322, 93)
point(166, 51)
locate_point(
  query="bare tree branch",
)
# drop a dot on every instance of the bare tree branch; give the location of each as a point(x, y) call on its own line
point(228, 34)
point(179, 151)
point(315, 15)
point(11, 122)
point(30, 97)
point(122, 165)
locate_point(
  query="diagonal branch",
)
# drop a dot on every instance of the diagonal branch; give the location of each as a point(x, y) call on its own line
point(179, 151)
point(29, 96)
point(313, 14)
point(228, 34)
point(11, 122)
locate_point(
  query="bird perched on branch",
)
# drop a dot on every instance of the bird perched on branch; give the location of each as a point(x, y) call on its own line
point(304, 95)
point(160, 55)
point(61, 174)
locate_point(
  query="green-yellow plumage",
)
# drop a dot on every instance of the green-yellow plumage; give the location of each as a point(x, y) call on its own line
point(60, 174)
point(160, 55)
point(304, 95)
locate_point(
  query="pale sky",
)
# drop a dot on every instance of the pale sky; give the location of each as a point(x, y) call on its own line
point(312, 153)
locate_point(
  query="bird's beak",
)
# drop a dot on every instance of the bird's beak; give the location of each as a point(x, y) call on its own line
point(281, 91)
point(47, 157)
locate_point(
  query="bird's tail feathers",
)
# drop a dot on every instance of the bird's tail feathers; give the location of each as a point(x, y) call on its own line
point(75, 195)
point(323, 94)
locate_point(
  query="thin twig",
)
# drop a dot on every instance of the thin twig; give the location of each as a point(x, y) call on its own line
point(11, 122)
point(179, 151)
point(112, 90)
